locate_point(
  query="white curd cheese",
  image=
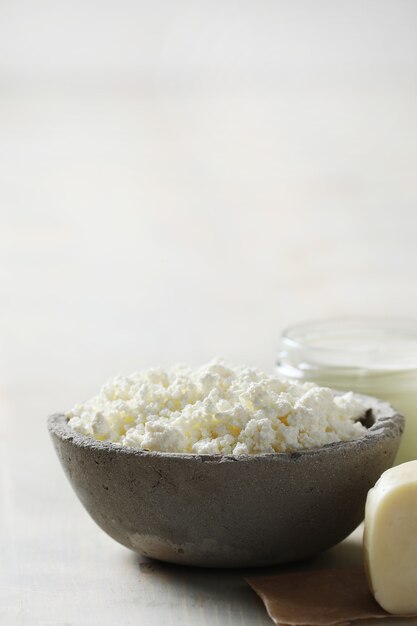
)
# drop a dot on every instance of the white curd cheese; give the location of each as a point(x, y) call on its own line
point(217, 409)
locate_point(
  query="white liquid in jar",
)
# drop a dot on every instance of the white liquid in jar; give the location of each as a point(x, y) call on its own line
point(375, 357)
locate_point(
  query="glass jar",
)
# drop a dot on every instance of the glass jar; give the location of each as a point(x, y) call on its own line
point(367, 355)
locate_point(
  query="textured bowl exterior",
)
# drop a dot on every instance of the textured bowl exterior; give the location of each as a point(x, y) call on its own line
point(224, 511)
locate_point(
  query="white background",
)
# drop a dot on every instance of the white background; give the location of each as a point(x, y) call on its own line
point(180, 180)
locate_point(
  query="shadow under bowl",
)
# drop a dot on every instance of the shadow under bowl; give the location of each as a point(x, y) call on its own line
point(225, 511)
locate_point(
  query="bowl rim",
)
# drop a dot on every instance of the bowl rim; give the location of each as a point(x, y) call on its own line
point(387, 423)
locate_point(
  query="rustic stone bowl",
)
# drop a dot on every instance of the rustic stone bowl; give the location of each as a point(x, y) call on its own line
point(224, 511)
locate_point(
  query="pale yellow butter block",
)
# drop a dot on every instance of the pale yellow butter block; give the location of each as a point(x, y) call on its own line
point(390, 539)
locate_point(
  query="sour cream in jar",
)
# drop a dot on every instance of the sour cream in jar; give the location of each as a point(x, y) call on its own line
point(374, 356)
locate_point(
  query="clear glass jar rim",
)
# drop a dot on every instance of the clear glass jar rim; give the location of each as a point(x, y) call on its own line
point(381, 342)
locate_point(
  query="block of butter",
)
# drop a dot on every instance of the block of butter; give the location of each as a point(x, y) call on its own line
point(390, 539)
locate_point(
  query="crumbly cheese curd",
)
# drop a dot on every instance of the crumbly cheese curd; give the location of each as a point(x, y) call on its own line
point(217, 409)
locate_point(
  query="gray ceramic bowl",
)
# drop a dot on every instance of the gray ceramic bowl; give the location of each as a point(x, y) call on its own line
point(223, 511)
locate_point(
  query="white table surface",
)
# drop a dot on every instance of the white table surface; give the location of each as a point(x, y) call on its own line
point(146, 220)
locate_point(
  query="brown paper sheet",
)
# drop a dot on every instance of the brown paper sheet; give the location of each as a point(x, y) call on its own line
point(318, 598)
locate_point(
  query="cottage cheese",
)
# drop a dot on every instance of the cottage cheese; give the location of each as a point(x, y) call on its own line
point(217, 409)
